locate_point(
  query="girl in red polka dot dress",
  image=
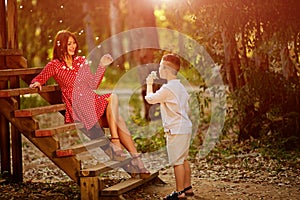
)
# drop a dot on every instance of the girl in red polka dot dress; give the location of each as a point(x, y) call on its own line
point(77, 83)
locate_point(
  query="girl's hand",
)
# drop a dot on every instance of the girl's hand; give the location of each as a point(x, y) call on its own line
point(106, 60)
point(36, 85)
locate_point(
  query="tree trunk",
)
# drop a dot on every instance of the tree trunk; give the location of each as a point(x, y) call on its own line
point(235, 78)
point(88, 28)
point(232, 63)
point(116, 27)
point(288, 68)
point(141, 14)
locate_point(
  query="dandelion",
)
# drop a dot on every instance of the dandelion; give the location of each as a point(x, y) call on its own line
point(153, 75)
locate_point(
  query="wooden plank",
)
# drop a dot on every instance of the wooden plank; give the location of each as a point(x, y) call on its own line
point(11, 52)
point(25, 124)
point(16, 62)
point(58, 130)
point(3, 25)
point(12, 25)
point(79, 148)
point(126, 185)
point(4, 145)
point(48, 145)
point(19, 72)
point(16, 144)
point(103, 167)
point(30, 112)
point(22, 91)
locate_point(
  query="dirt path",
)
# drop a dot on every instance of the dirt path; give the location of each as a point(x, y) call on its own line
point(206, 189)
point(246, 176)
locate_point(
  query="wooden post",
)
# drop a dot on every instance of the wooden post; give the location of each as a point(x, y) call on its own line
point(90, 188)
point(4, 124)
point(12, 42)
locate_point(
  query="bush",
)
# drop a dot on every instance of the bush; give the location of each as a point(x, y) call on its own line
point(267, 107)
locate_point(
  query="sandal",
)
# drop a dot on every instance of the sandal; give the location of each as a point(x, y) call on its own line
point(175, 196)
point(140, 169)
point(190, 194)
point(116, 146)
point(113, 154)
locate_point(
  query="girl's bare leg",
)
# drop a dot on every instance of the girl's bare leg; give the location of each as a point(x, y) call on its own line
point(119, 130)
point(111, 113)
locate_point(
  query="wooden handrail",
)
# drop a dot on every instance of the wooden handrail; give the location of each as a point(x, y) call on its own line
point(21, 91)
point(19, 72)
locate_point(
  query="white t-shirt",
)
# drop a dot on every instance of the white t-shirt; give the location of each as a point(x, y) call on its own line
point(173, 99)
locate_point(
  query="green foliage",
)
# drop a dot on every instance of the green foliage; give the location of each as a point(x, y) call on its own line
point(31, 101)
point(267, 107)
point(147, 137)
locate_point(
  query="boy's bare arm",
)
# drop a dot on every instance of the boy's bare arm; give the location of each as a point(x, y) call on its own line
point(149, 89)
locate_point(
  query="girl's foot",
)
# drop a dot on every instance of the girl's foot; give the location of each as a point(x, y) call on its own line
point(139, 166)
point(116, 146)
point(114, 152)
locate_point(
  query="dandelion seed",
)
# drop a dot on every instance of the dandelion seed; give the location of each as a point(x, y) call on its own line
point(153, 74)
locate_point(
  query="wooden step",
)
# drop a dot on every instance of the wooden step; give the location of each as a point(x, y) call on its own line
point(126, 185)
point(30, 112)
point(104, 167)
point(22, 91)
point(19, 72)
point(58, 130)
point(79, 148)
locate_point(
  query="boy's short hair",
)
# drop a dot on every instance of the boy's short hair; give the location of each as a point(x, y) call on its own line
point(174, 59)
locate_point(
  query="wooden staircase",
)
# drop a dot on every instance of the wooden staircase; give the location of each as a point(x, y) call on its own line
point(45, 139)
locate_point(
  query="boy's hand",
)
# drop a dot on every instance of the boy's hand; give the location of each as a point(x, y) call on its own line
point(151, 77)
point(106, 60)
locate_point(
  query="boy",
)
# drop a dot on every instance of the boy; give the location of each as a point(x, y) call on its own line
point(173, 99)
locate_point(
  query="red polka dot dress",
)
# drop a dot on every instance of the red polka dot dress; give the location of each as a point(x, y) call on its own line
point(78, 87)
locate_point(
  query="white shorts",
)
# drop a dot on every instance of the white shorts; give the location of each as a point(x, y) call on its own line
point(178, 148)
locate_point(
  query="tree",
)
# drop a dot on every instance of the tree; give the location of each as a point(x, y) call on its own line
point(141, 14)
point(255, 43)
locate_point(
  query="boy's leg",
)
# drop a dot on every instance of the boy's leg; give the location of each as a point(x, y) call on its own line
point(179, 171)
point(187, 175)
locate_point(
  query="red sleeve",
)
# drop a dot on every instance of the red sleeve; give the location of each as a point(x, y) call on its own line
point(45, 74)
point(98, 76)
point(93, 79)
